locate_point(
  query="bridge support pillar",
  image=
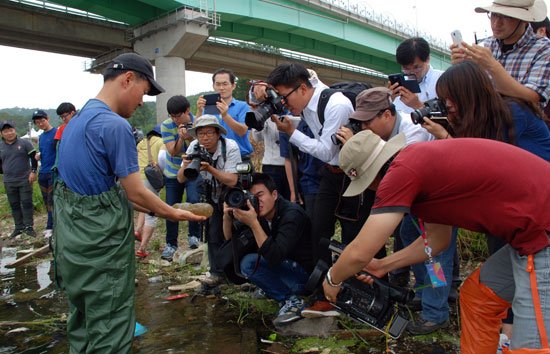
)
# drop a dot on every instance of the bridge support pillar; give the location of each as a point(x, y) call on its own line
point(170, 74)
point(168, 42)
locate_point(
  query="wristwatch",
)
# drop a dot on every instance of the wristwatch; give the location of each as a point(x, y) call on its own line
point(329, 279)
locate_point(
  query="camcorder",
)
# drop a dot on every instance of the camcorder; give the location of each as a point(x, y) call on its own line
point(432, 108)
point(236, 197)
point(199, 154)
point(354, 125)
point(379, 305)
point(274, 104)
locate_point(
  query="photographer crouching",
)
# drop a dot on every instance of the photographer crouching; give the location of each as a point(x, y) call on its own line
point(215, 158)
point(282, 232)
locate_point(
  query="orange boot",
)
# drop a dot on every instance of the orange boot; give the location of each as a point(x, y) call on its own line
point(481, 313)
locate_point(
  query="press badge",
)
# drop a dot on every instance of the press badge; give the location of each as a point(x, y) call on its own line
point(436, 274)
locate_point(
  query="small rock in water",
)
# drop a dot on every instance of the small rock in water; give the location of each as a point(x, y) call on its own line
point(17, 330)
point(26, 290)
point(156, 279)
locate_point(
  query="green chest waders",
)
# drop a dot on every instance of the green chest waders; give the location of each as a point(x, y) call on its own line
point(94, 255)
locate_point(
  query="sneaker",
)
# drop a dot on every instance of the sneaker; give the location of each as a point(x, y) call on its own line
point(503, 343)
point(213, 280)
point(142, 253)
point(137, 236)
point(168, 252)
point(423, 326)
point(289, 312)
point(320, 309)
point(48, 233)
point(193, 242)
point(29, 231)
point(15, 233)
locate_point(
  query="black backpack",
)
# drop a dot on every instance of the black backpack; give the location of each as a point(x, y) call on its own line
point(350, 89)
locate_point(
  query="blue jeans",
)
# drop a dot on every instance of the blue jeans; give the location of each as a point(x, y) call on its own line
point(435, 307)
point(45, 181)
point(279, 283)
point(174, 194)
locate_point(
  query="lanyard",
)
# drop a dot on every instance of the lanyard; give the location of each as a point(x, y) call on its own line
point(422, 231)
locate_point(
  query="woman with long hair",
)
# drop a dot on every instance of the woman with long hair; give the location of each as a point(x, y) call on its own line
point(476, 110)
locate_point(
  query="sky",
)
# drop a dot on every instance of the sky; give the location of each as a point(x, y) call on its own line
point(33, 79)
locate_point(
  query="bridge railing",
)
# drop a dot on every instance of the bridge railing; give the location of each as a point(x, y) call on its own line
point(65, 9)
point(364, 11)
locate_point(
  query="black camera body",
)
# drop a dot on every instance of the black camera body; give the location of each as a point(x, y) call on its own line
point(274, 104)
point(354, 125)
point(236, 197)
point(432, 108)
point(199, 154)
point(380, 305)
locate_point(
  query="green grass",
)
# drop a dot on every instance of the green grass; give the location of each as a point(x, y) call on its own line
point(5, 210)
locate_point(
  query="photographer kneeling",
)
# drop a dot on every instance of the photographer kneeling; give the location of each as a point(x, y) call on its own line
point(282, 232)
point(216, 159)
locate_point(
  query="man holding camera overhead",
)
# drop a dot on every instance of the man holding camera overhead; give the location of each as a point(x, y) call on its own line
point(282, 232)
point(413, 55)
point(232, 111)
point(215, 158)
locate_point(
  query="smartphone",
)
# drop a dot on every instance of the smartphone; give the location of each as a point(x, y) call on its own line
point(407, 81)
point(211, 99)
point(456, 36)
point(210, 106)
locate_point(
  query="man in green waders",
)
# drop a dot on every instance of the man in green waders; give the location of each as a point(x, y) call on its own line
point(94, 236)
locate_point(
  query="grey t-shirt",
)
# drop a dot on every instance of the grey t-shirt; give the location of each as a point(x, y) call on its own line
point(15, 160)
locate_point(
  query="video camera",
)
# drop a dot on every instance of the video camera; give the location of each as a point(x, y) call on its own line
point(432, 108)
point(199, 154)
point(354, 125)
point(273, 104)
point(236, 197)
point(380, 305)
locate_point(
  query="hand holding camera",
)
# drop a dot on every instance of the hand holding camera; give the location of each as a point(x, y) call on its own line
point(182, 131)
point(193, 163)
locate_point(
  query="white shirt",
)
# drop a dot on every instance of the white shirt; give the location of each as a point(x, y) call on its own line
point(337, 113)
point(427, 90)
point(270, 136)
point(413, 132)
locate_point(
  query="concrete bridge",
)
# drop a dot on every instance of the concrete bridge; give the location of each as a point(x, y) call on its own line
point(251, 36)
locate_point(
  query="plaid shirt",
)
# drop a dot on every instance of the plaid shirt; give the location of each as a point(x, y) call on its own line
point(528, 61)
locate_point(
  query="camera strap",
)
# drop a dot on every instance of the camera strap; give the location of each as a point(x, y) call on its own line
point(435, 271)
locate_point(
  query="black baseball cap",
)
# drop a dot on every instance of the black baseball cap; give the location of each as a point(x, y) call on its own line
point(39, 114)
point(135, 62)
point(6, 123)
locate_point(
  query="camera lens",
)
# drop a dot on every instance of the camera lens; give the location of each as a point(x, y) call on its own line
point(235, 198)
point(191, 172)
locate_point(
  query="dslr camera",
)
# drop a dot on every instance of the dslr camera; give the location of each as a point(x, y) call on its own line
point(274, 104)
point(236, 197)
point(379, 305)
point(354, 125)
point(199, 154)
point(432, 108)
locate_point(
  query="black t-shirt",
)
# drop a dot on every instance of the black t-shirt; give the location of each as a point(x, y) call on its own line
point(15, 160)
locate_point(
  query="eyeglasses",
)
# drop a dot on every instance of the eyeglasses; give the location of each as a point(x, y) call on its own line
point(496, 16)
point(64, 116)
point(222, 84)
point(208, 133)
point(290, 93)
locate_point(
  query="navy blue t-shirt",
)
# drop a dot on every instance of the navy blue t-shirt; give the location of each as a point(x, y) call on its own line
point(530, 131)
point(97, 146)
point(47, 151)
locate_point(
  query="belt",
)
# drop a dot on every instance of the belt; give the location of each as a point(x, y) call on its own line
point(334, 169)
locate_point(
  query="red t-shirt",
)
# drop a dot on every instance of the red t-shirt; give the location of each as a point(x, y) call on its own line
point(59, 132)
point(477, 184)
